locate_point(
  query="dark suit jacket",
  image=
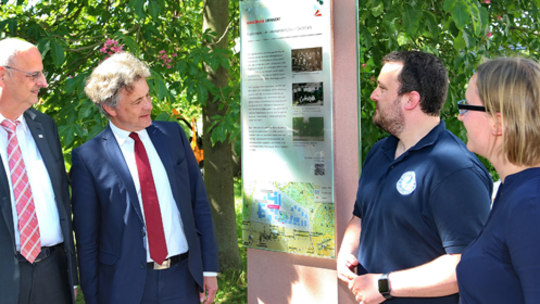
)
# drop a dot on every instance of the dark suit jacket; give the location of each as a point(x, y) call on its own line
point(45, 134)
point(108, 220)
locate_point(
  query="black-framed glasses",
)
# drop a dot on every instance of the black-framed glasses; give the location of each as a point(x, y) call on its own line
point(463, 107)
point(34, 75)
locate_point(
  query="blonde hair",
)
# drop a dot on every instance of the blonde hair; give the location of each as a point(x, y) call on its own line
point(115, 73)
point(511, 87)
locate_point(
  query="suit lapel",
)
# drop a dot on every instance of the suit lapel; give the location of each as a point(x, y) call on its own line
point(160, 141)
point(118, 163)
point(5, 202)
point(42, 142)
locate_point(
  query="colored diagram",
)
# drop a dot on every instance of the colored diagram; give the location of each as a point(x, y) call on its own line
point(290, 218)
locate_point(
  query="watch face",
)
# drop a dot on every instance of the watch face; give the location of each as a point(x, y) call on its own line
point(383, 285)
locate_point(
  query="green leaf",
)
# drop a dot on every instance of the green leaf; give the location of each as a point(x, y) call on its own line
point(449, 5)
point(67, 134)
point(86, 110)
point(57, 53)
point(378, 10)
point(470, 41)
point(459, 42)
point(477, 19)
point(130, 43)
point(44, 45)
point(431, 25)
point(154, 8)
point(12, 25)
point(163, 116)
point(203, 93)
point(70, 85)
point(157, 85)
point(484, 20)
point(411, 19)
point(137, 6)
point(461, 14)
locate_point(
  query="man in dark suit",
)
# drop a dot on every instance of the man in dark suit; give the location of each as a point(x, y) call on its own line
point(37, 256)
point(142, 218)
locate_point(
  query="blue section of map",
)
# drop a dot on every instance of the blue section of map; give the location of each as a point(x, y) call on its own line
point(278, 209)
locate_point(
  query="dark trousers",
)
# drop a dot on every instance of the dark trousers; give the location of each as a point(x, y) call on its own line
point(168, 286)
point(45, 281)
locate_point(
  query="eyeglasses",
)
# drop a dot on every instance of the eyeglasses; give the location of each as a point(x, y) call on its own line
point(463, 107)
point(34, 75)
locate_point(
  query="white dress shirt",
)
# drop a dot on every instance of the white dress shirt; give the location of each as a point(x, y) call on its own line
point(170, 215)
point(40, 184)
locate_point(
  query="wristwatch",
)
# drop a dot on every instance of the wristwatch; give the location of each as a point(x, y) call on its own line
point(384, 286)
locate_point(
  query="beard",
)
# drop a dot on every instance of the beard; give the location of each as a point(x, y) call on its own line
point(390, 119)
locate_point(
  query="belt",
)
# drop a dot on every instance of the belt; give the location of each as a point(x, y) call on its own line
point(43, 254)
point(168, 263)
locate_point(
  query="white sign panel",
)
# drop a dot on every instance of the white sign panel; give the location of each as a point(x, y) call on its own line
point(287, 161)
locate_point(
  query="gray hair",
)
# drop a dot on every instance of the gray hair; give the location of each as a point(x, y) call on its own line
point(112, 75)
point(9, 47)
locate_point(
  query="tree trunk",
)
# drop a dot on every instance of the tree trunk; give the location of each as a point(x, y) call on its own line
point(218, 162)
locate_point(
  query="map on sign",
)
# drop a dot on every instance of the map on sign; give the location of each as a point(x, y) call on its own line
point(293, 217)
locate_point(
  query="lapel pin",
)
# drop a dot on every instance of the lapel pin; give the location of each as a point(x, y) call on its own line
point(40, 135)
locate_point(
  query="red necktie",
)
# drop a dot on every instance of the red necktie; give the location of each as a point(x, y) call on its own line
point(24, 202)
point(152, 212)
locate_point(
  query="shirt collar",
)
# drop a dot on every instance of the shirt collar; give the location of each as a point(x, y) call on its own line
point(428, 140)
point(21, 119)
point(431, 137)
point(122, 135)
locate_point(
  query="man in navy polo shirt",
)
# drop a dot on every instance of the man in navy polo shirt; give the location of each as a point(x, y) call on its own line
point(422, 197)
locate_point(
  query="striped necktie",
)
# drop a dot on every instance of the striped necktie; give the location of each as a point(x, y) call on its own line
point(24, 202)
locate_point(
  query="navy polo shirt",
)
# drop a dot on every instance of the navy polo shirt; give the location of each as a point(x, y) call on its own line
point(432, 200)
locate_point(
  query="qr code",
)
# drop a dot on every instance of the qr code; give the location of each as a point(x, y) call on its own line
point(319, 169)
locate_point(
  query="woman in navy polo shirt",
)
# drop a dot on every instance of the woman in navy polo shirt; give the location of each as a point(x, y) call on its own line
point(502, 118)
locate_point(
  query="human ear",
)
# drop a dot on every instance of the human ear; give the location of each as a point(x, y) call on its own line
point(110, 110)
point(496, 125)
point(2, 73)
point(412, 100)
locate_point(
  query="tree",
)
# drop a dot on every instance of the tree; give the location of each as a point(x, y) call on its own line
point(185, 62)
point(218, 160)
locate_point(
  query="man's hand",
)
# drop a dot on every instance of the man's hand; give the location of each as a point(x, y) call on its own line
point(210, 290)
point(366, 289)
point(346, 263)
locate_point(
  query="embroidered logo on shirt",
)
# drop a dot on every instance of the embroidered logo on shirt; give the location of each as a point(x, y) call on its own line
point(406, 183)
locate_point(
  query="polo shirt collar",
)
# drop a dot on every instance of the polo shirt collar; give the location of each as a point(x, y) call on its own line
point(389, 147)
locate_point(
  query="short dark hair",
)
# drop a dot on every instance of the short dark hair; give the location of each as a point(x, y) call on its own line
point(424, 73)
